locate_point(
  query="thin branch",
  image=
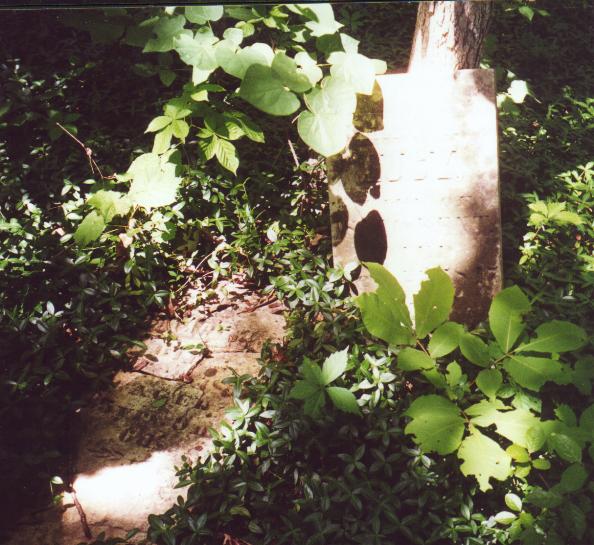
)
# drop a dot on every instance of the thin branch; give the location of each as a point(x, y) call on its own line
point(295, 158)
point(89, 154)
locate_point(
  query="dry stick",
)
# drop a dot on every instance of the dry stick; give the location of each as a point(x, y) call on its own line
point(88, 152)
point(295, 158)
point(81, 514)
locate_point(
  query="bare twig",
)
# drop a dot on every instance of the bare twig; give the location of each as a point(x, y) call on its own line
point(89, 154)
point(295, 158)
point(81, 514)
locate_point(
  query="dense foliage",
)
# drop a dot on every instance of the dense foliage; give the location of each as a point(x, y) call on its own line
point(89, 251)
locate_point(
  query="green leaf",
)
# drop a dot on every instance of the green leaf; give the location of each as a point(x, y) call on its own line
point(198, 50)
point(162, 140)
point(264, 91)
point(234, 35)
point(489, 381)
point(158, 123)
point(334, 366)
point(505, 517)
point(574, 520)
point(505, 316)
point(513, 501)
point(343, 399)
point(587, 420)
point(484, 459)
point(410, 359)
point(445, 339)
point(167, 29)
point(312, 372)
point(236, 61)
point(354, 69)
point(519, 454)
point(226, 154)
point(326, 133)
point(565, 447)
point(555, 336)
point(474, 349)
point(568, 217)
point(527, 12)
point(518, 91)
point(110, 204)
point(304, 389)
point(532, 373)
point(322, 19)
point(573, 478)
point(90, 229)
point(541, 464)
point(436, 424)
point(201, 14)
point(519, 425)
point(285, 69)
point(454, 374)
point(154, 182)
point(180, 129)
point(309, 67)
point(314, 404)
point(433, 303)
point(543, 498)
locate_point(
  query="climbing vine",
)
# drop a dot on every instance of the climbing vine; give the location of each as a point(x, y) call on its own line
point(313, 69)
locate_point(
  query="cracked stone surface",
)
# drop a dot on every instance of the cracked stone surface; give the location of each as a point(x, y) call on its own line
point(134, 434)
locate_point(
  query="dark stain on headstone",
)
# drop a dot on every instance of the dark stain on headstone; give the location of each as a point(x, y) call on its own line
point(358, 168)
point(371, 243)
point(369, 115)
point(339, 221)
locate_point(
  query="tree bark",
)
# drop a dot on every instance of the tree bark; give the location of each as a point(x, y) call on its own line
point(449, 35)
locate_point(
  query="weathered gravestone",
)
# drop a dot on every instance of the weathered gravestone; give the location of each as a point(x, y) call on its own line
point(418, 187)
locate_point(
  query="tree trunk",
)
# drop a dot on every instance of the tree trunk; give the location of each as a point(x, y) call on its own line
point(449, 35)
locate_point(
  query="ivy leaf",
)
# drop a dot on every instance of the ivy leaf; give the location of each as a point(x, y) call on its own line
point(484, 459)
point(343, 399)
point(474, 350)
point(573, 478)
point(226, 154)
point(322, 19)
point(264, 91)
point(334, 366)
point(410, 359)
point(236, 61)
point(434, 301)
point(234, 35)
point(354, 69)
point(555, 336)
point(436, 424)
point(445, 339)
point(154, 182)
point(90, 229)
point(286, 71)
point(384, 312)
point(198, 50)
point(565, 447)
point(202, 14)
point(489, 381)
point(505, 316)
point(110, 204)
point(309, 67)
point(167, 29)
point(532, 373)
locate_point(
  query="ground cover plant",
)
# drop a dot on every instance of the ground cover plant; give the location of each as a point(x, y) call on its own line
point(332, 443)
